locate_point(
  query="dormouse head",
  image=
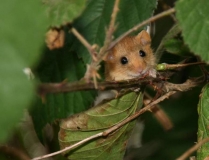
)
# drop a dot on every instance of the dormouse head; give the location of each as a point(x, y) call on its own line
point(132, 57)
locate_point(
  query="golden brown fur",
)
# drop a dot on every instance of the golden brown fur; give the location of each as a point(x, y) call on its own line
point(137, 65)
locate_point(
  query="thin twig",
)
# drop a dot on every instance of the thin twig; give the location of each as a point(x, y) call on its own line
point(70, 147)
point(85, 43)
point(189, 84)
point(91, 71)
point(165, 66)
point(154, 18)
point(110, 30)
point(193, 149)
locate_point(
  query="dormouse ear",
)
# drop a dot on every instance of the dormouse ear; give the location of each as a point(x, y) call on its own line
point(109, 57)
point(144, 38)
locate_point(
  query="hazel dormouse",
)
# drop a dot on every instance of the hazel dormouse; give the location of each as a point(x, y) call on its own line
point(131, 58)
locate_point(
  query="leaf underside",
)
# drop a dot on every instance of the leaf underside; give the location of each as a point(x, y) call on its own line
point(95, 120)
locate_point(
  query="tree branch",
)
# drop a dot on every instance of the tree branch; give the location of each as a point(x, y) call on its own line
point(189, 84)
point(46, 88)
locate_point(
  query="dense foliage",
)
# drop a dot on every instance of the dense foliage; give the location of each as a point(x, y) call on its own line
point(26, 62)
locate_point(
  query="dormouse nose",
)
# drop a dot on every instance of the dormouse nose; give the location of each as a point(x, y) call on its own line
point(139, 67)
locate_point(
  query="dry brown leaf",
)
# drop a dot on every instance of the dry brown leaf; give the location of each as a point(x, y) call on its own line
point(55, 39)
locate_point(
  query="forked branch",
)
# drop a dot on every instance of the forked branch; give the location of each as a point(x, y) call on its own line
point(47, 88)
point(91, 71)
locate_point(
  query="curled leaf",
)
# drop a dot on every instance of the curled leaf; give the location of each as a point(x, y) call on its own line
point(95, 120)
point(55, 39)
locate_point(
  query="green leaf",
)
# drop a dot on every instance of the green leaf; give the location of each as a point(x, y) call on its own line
point(176, 46)
point(96, 17)
point(170, 35)
point(61, 12)
point(58, 66)
point(22, 31)
point(203, 123)
point(173, 46)
point(194, 21)
point(95, 120)
point(70, 61)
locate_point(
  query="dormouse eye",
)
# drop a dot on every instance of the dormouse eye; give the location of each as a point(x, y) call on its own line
point(142, 53)
point(124, 60)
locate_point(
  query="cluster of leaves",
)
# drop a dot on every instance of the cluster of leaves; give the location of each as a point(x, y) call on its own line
point(22, 46)
point(69, 62)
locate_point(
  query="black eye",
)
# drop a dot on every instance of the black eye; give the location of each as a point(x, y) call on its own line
point(124, 60)
point(142, 53)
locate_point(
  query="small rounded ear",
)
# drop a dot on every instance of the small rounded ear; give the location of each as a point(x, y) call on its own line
point(108, 57)
point(144, 38)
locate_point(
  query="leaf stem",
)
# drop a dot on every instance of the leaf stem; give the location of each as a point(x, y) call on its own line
point(165, 66)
